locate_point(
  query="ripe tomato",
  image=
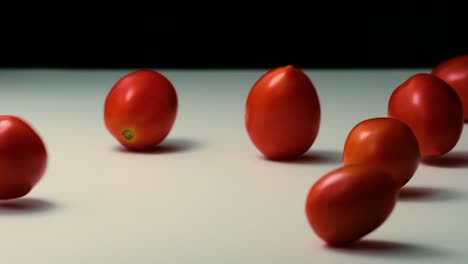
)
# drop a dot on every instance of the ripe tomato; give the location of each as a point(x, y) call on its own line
point(23, 157)
point(455, 72)
point(140, 109)
point(350, 202)
point(282, 115)
point(433, 111)
point(384, 142)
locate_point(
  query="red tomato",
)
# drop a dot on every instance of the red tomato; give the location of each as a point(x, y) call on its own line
point(140, 109)
point(455, 72)
point(384, 142)
point(350, 202)
point(283, 113)
point(433, 111)
point(23, 157)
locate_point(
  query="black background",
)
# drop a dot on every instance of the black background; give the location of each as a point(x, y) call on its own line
point(356, 40)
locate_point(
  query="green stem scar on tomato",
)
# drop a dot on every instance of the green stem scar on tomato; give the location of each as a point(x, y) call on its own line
point(128, 134)
point(144, 101)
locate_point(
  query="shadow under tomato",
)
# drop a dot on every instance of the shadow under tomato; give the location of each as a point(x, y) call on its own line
point(168, 146)
point(454, 159)
point(382, 248)
point(25, 206)
point(313, 157)
point(410, 193)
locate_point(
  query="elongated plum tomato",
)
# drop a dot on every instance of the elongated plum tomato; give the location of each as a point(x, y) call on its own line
point(454, 71)
point(350, 202)
point(140, 109)
point(23, 157)
point(384, 142)
point(432, 109)
point(282, 115)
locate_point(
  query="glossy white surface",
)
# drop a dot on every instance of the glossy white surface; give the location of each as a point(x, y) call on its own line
point(206, 195)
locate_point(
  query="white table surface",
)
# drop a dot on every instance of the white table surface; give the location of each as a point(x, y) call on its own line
point(207, 195)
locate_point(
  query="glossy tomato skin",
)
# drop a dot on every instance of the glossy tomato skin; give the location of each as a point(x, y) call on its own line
point(384, 142)
point(350, 202)
point(140, 109)
point(282, 115)
point(454, 71)
point(432, 109)
point(23, 157)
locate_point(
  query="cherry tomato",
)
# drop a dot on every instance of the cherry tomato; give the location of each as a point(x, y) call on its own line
point(140, 109)
point(282, 115)
point(350, 202)
point(433, 111)
point(23, 157)
point(455, 72)
point(384, 142)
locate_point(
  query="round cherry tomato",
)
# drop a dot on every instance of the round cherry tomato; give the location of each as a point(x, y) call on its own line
point(283, 113)
point(433, 111)
point(23, 157)
point(384, 142)
point(454, 71)
point(350, 202)
point(140, 109)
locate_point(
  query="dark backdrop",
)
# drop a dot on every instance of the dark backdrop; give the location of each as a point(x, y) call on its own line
point(355, 41)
